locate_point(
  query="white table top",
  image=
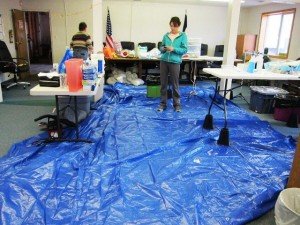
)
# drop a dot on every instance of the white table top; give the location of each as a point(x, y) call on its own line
point(207, 58)
point(52, 91)
point(210, 58)
point(236, 73)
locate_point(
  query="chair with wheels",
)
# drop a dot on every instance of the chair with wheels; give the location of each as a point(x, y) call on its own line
point(147, 65)
point(12, 65)
point(159, 44)
point(219, 51)
point(202, 64)
point(149, 45)
point(204, 49)
point(127, 45)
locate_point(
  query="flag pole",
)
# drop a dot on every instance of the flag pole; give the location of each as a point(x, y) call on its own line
point(185, 21)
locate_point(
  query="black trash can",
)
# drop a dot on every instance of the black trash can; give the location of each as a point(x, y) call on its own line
point(262, 98)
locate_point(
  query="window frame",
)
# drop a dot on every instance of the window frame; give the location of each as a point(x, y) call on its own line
point(261, 37)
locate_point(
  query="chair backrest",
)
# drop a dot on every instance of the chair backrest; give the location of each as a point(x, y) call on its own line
point(149, 45)
point(127, 45)
point(4, 52)
point(159, 44)
point(266, 51)
point(219, 51)
point(204, 49)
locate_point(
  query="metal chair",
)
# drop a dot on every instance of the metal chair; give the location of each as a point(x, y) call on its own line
point(12, 65)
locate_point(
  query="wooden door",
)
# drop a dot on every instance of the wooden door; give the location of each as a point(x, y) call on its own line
point(240, 46)
point(245, 42)
point(20, 34)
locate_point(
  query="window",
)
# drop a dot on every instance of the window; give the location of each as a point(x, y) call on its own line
point(275, 32)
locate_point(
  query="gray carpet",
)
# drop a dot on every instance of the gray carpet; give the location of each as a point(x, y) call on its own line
point(18, 111)
point(17, 123)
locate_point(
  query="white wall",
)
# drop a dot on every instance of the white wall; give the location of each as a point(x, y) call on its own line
point(145, 21)
point(97, 26)
point(250, 24)
point(5, 10)
point(65, 16)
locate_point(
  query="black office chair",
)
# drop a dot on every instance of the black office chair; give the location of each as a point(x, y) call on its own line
point(149, 45)
point(159, 44)
point(266, 57)
point(219, 51)
point(202, 64)
point(148, 65)
point(127, 45)
point(10, 65)
point(204, 49)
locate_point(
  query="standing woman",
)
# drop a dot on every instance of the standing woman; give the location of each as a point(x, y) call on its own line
point(174, 45)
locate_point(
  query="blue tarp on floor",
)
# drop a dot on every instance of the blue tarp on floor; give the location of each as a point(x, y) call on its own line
point(146, 167)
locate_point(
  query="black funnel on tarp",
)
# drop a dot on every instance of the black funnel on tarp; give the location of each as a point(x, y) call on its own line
point(224, 137)
point(208, 122)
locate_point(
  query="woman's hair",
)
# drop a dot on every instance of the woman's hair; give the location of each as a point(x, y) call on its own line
point(175, 20)
point(82, 26)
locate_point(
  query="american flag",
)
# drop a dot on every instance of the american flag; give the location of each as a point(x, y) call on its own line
point(109, 39)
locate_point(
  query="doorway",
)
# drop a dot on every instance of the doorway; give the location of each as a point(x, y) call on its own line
point(39, 38)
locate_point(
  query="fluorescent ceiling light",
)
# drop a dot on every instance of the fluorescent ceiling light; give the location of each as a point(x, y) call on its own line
point(242, 1)
point(217, 0)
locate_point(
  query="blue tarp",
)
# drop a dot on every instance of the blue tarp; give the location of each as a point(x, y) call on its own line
point(147, 167)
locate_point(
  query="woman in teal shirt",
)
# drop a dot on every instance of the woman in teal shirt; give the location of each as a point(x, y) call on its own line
point(174, 45)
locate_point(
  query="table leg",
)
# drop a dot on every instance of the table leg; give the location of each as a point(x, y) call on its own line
point(224, 133)
point(192, 71)
point(59, 128)
point(140, 69)
point(1, 96)
point(76, 117)
point(208, 121)
point(59, 131)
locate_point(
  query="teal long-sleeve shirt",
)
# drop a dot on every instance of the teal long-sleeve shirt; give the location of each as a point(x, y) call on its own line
point(180, 48)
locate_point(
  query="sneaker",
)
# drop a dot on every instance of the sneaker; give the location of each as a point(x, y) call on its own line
point(161, 108)
point(177, 108)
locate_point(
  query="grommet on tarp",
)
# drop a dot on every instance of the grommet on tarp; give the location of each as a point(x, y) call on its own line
point(224, 137)
point(293, 120)
point(208, 122)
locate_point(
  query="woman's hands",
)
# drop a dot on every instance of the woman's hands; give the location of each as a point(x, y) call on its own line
point(169, 48)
